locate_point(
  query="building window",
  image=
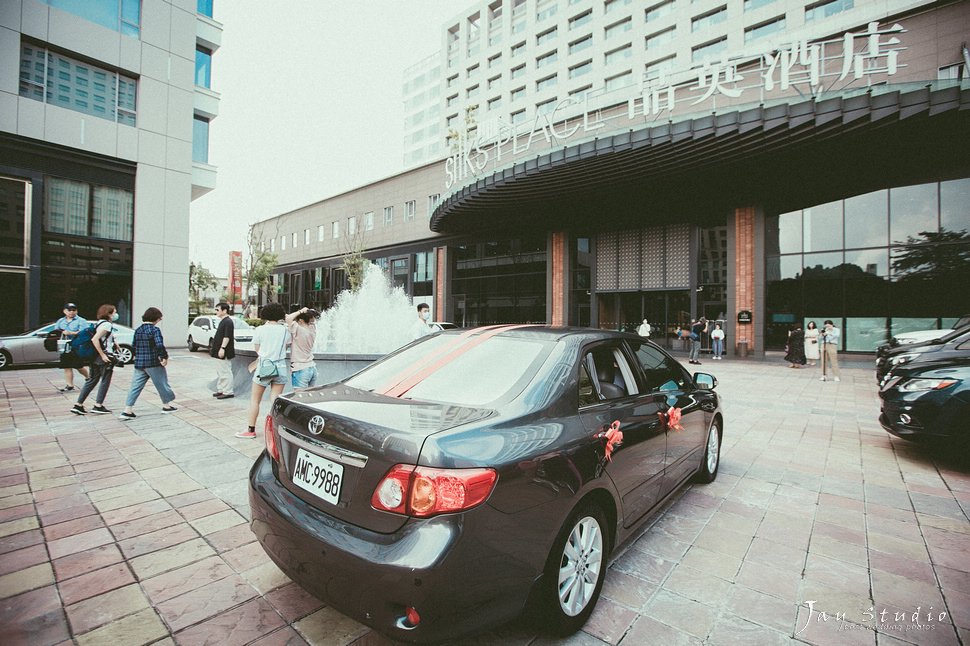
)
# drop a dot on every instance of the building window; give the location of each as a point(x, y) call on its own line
point(494, 103)
point(203, 66)
point(409, 210)
point(472, 71)
point(618, 28)
point(610, 5)
point(708, 50)
point(518, 49)
point(452, 80)
point(619, 54)
point(578, 21)
point(451, 120)
point(751, 5)
point(547, 106)
point(272, 245)
point(320, 233)
point(120, 15)
point(517, 93)
point(709, 19)
point(306, 236)
point(494, 60)
point(516, 72)
point(546, 83)
point(352, 225)
point(547, 59)
point(826, 9)
point(660, 67)
point(204, 7)
point(580, 90)
point(546, 10)
point(620, 80)
point(451, 100)
point(81, 209)
point(764, 29)
point(517, 116)
point(495, 80)
point(472, 91)
point(950, 72)
point(282, 243)
point(200, 139)
point(546, 36)
point(51, 77)
point(433, 202)
point(660, 38)
point(658, 11)
point(388, 216)
point(335, 229)
point(581, 44)
point(294, 239)
point(578, 70)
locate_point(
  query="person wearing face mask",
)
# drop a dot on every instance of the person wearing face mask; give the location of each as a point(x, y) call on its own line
point(420, 327)
point(151, 358)
point(101, 366)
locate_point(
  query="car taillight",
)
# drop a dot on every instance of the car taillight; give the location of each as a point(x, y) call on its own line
point(269, 435)
point(424, 492)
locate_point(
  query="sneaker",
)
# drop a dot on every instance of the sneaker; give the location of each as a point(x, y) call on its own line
point(66, 389)
point(217, 394)
point(821, 378)
point(836, 379)
point(78, 409)
point(169, 409)
point(225, 396)
point(100, 410)
point(247, 434)
point(125, 415)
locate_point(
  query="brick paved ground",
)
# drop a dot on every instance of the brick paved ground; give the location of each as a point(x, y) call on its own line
point(133, 533)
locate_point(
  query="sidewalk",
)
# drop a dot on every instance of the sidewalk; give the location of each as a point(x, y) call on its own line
point(136, 532)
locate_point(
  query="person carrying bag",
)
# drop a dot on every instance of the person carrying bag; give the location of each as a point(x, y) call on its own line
point(270, 369)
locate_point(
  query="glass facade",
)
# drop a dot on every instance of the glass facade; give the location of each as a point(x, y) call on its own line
point(120, 15)
point(200, 139)
point(877, 264)
point(499, 281)
point(203, 66)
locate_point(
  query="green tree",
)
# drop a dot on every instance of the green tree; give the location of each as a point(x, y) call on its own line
point(260, 264)
point(200, 280)
point(355, 265)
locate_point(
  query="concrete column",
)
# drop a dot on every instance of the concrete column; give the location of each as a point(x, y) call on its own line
point(557, 301)
point(444, 310)
point(743, 269)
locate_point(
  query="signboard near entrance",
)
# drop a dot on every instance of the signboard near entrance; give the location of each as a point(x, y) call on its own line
point(744, 317)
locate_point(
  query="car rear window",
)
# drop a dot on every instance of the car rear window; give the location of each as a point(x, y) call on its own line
point(494, 369)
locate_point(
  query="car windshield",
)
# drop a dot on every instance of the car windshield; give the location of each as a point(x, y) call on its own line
point(241, 324)
point(474, 376)
point(946, 338)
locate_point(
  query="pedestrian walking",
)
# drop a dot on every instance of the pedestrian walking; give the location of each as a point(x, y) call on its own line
point(830, 337)
point(223, 349)
point(101, 366)
point(269, 369)
point(69, 325)
point(795, 349)
point(812, 350)
point(717, 342)
point(697, 327)
point(302, 325)
point(151, 361)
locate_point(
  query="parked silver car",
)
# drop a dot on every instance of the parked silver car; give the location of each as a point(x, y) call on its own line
point(29, 347)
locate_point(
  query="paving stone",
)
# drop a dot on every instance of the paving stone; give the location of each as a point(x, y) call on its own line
point(105, 608)
point(239, 625)
point(94, 583)
point(170, 558)
point(87, 561)
point(196, 605)
point(328, 627)
point(29, 578)
point(142, 627)
point(293, 602)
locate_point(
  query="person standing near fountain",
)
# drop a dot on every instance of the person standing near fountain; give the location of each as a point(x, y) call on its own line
point(270, 369)
point(223, 349)
point(302, 325)
point(420, 327)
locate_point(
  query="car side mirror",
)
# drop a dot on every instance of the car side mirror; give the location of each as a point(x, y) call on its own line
point(705, 381)
point(204, 326)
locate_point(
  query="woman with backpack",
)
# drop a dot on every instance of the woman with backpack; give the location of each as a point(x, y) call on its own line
point(151, 358)
point(100, 365)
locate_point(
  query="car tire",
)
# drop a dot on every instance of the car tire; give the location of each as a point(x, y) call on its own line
point(575, 570)
point(5, 360)
point(712, 454)
point(125, 354)
point(193, 346)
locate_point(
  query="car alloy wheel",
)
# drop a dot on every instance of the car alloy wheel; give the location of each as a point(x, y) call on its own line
point(712, 455)
point(576, 569)
point(5, 361)
point(193, 346)
point(125, 354)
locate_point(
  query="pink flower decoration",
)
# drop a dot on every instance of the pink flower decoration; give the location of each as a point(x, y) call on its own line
point(673, 419)
point(614, 437)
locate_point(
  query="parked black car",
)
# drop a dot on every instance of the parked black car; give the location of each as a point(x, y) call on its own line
point(444, 488)
point(952, 344)
point(928, 400)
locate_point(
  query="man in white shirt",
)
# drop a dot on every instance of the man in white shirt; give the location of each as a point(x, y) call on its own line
point(420, 327)
point(830, 337)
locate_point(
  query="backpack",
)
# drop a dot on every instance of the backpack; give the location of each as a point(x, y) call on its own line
point(82, 345)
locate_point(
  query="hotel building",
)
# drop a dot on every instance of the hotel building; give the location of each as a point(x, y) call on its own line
point(758, 162)
point(104, 114)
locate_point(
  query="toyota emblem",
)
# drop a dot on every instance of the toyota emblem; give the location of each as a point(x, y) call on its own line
point(316, 425)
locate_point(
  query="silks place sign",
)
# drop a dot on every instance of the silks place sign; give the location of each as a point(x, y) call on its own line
point(800, 69)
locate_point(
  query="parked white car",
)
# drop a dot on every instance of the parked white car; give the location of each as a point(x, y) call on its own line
point(29, 347)
point(203, 328)
point(919, 336)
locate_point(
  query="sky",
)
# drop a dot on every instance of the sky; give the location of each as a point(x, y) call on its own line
point(311, 106)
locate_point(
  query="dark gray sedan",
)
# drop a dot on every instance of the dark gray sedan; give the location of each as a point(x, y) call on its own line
point(474, 473)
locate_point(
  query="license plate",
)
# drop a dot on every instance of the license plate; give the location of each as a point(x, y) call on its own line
point(319, 476)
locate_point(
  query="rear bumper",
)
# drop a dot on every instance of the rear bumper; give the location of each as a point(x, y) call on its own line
point(444, 567)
